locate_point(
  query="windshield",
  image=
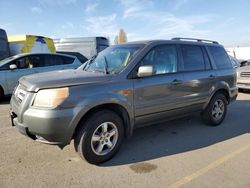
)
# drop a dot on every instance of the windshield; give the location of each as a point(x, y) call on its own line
point(112, 60)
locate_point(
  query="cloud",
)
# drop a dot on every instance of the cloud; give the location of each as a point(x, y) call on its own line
point(179, 4)
point(134, 7)
point(49, 3)
point(37, 10)
point(163, 25)
point(67, 26)
point(9, 26)
point(131, 11)
point(91, 7)
point(102, 25)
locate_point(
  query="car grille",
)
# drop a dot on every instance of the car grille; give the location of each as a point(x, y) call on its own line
point(245, 74)
point(20, 93)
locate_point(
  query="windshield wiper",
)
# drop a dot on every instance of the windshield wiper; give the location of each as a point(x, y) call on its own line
point(89, 62)
point(106, 65)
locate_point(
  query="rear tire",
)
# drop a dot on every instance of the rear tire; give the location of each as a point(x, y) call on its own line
point(99, 138)
point(216, 110)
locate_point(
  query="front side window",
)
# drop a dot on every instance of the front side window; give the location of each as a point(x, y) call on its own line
point(162, 58)
point(35, 61)
point(21, 63)
point(193, 59)
point(112, 60)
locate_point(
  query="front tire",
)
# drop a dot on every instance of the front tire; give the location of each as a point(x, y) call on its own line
point(215, 112)
point(99, 137)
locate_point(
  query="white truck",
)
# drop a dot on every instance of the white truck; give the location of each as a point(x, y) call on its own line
point(87, 46)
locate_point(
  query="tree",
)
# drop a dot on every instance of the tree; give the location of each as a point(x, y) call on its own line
point(121, 38)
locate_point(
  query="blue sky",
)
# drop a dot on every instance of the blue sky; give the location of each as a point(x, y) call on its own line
point(227, 21)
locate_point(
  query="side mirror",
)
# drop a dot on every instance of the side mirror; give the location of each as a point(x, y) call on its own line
point(145, 71)
point(13, 66)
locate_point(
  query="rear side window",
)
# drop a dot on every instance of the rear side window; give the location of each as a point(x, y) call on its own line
point(52, 60)
point(193, 59)
point(220, 57)
point(35, 61)
point(67, 60)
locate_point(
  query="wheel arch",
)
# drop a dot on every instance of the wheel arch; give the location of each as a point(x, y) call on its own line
point(117, 108)
point(223, 91)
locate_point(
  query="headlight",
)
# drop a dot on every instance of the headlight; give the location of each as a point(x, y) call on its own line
point(51, 98)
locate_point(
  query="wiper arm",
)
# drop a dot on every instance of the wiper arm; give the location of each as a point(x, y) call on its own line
point(106, 65)
point(89, 62)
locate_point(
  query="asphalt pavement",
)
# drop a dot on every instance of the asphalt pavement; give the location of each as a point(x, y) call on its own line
point(180, 153)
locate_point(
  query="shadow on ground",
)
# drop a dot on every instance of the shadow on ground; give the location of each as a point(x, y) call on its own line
point(182, 135)
point(5, 100)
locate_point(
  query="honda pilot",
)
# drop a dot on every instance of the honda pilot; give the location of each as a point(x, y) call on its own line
point(124, 87)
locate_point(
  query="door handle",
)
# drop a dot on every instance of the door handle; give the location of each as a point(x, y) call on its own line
point(176, 82)
point(212, 77)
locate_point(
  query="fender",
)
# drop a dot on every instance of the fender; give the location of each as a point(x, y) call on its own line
point(110, 98)
point(222, 85)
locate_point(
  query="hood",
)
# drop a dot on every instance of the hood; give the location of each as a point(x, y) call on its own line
point(61, 78)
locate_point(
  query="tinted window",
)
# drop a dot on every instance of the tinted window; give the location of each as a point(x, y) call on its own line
point(192, 58)
point(67, 60)
point(162, 58)
point(207, 60)
point(220, 57)
point(21, 63)
point(35, 61)
point(52, 60)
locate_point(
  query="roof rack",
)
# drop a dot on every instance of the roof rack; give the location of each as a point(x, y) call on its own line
point(198, 40)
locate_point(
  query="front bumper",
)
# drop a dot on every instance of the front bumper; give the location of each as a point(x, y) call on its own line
point(243, 83)
point(46, 126)
point(243, 86)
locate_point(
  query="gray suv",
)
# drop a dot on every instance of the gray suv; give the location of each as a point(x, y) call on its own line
point(124, 87)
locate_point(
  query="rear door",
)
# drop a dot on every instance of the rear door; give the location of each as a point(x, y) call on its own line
point(58, 62)
point(156, 95)
point(199, 78)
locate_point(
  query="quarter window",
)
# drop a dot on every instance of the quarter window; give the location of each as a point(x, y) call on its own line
point(220, 57)
point(162, 58)
point(67, 60)
point(52, 60)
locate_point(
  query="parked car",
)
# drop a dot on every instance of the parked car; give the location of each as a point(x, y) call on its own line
point(243, 78)
point(79, 56)
point(244, 63)
point(4, 46)
point(124, 87)
point(13, 68)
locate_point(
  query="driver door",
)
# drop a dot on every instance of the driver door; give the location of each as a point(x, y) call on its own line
point(157, 95)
